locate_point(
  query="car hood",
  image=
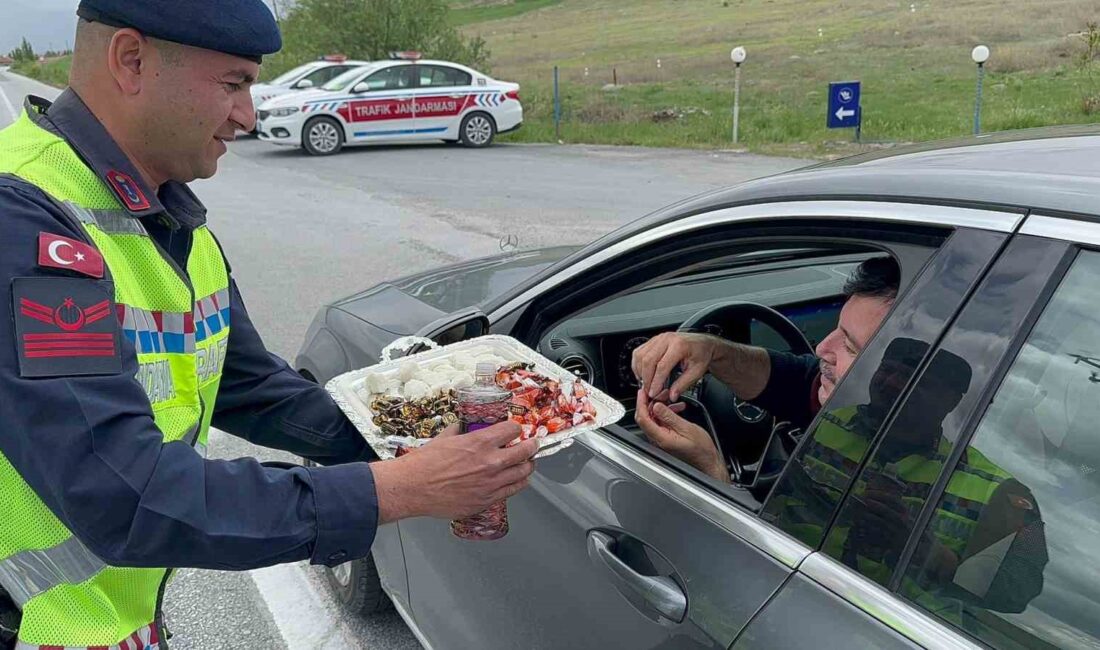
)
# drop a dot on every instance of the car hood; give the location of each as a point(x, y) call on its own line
point(404, 305)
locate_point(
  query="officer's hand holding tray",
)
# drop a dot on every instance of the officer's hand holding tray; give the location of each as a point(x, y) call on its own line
point(402, 404)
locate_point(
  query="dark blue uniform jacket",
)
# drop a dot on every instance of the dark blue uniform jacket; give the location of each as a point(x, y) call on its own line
point(87, 444)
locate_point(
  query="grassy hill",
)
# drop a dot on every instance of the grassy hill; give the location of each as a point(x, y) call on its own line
point(912, 57)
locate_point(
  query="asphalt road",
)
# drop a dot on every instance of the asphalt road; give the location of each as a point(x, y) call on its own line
point(300, 231)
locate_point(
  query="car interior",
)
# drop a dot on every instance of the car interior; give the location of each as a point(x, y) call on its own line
point(781, 295)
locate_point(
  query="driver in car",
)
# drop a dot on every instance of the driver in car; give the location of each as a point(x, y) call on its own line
point(990, 554)
point(790, 387)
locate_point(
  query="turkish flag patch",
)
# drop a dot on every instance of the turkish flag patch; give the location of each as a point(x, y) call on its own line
point(65, 327)
point(59, 252)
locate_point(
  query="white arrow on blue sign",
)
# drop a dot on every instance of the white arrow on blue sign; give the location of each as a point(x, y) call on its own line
point(844, 109)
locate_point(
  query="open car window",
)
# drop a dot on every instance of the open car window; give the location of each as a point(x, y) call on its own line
point(806, 285)
point(593, 327)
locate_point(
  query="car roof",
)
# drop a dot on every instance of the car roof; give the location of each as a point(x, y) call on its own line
point(1052, 170)
point(427, 62)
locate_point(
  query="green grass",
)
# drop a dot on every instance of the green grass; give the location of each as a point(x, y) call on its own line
point(918, 80)
point(54, 72)
point(480, 13)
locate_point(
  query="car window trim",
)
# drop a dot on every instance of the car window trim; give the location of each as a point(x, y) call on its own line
point(1076, 231)
point(875, 211)
point(739, 522)
point(882, 605)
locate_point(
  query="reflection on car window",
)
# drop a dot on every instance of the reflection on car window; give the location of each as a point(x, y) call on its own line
point(396, 77)
point(345, 79)
point(840, 439)
point(290, 75)
point(1022, 565)
point(326, 74)
point(442, 76)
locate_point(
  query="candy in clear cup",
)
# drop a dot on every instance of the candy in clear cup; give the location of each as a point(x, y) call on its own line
point(479, 406)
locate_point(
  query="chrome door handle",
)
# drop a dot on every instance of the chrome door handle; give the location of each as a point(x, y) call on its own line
point(659, 592)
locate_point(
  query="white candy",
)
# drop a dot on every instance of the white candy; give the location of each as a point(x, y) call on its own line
point(416, 389)
point(430, 378)
point(465, 362)
point(440, 387)
point(376, 383)
point(463, 381)
point(408, 370)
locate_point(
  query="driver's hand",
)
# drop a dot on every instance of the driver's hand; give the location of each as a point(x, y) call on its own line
point(684, 440)
point(655, 361)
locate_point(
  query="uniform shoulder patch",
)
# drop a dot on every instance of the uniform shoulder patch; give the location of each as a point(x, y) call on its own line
point(65, 327)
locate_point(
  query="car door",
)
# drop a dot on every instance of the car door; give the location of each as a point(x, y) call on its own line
point(615, 544)
point(988, 547)
point(381, 105)
point(443, 93)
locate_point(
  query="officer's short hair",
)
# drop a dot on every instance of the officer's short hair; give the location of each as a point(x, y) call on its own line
point(878, 277)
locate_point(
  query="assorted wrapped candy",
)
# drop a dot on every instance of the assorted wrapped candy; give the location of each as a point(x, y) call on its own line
point(419, 402)
point(541, 405)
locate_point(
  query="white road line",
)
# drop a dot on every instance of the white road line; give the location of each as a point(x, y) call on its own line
point(7, 102)
point(297, 609)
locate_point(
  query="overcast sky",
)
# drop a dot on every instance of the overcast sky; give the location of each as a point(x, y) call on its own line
point(47, 24)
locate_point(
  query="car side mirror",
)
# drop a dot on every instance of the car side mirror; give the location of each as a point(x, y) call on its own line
point(360, 87)
point(303, 84)
point(458, 326)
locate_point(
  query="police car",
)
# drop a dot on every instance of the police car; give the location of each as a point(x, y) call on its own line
point(401, 99)
point(304, 77)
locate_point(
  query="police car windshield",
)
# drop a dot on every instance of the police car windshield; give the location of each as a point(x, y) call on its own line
point(287, 77)
point(346, 79)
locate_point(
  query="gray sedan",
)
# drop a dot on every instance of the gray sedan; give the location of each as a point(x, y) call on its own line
point(619, 545)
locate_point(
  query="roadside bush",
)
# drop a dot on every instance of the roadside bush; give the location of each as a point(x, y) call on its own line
point(1091, 105)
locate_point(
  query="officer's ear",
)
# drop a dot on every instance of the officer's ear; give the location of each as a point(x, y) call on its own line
point(128, 56)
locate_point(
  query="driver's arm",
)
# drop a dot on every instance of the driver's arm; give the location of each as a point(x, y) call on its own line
point(791, 390)
point(744, 368)
point(781, 383)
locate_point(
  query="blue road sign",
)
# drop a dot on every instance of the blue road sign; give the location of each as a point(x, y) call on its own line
point(844, 111)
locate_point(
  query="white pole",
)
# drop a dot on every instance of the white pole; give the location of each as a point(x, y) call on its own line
point(736, 99)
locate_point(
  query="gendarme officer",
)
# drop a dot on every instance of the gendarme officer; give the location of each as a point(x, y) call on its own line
point(123, 338)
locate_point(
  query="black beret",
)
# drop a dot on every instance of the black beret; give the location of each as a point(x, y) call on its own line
point(244, 28)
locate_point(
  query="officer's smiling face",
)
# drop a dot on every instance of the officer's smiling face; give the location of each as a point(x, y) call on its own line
point(199, 98)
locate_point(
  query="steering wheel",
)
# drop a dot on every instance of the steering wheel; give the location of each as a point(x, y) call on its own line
point(740, 430)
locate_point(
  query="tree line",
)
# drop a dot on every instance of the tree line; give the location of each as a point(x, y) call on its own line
point(25, 53)
point(370, 29)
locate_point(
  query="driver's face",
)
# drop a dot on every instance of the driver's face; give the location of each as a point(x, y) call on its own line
point(859, 319)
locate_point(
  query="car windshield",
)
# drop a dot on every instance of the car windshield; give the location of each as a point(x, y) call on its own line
point(346, 79)
point(291, 75)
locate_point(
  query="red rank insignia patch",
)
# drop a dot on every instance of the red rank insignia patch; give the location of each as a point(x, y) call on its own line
point(128, 190)
point(64, 327)
point(60, 252)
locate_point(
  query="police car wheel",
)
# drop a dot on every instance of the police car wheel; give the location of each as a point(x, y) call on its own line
point(322, 136)
point(357, 587)
point(477, 130)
